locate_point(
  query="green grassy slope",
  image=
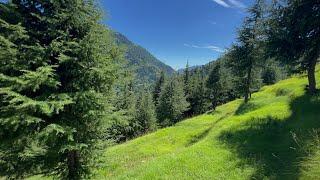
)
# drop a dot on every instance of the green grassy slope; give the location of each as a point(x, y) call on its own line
point(274, 136)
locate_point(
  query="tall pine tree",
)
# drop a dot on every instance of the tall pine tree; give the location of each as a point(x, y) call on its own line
point(172, 102)
point(198, 97)
point(246, 54)
point(145, 113)
point(186, 79)
point(214, 85)
point(57, 67)
point(158, 86)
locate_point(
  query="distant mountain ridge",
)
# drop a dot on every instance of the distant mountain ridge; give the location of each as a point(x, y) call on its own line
point(181, 70)
point(144, 64)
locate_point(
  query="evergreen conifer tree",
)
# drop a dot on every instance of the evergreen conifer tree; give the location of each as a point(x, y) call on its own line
point(187, 80)
point(246, 54)
point(214, 85)
point(125, 102)
point(172, 102)
point(57, 68)
point(158, 86)
point(198, 97)
point(145, 113)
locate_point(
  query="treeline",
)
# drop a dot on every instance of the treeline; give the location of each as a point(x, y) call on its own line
point(65, 94)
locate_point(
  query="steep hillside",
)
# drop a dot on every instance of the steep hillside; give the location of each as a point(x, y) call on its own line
point(275, 136)
point(144, 64)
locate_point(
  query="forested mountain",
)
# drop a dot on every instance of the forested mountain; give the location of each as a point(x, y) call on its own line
point(143, 63)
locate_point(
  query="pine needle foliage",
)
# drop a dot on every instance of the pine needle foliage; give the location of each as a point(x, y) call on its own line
point(57, 67)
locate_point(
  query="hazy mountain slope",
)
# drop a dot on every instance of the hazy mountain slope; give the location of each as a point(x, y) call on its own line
point(145, 65)
point(190, 68)
point(275, 136)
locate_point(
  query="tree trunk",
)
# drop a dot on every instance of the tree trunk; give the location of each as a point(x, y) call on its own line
point(214, 104)
point(311, 72)
point(247, 90)
point(246, 98)
point(73, 165)
point(312, 78)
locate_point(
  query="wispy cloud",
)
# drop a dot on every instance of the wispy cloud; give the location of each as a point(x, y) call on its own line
point(211, 47)
point(230, 3)
point(222, 3)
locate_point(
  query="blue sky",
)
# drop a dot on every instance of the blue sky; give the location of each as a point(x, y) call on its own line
point(177, 31)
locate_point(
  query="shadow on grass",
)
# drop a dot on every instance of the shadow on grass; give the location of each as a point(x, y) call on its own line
point(245, 107)
point(204, 134)
point(276, 147)
point(199, 137)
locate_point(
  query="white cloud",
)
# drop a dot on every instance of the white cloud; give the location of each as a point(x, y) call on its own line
point(222, 3)
point(211, 47)
point(230, 3)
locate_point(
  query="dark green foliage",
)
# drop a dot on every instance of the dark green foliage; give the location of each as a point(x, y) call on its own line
point(117, 126)
point(245, 56)
point(228, 92)
point(158, 86)
point(172, 102)
point(208, 86)
point(133, 113)
point(57, 68)
point(214, 85)
point(222, 81)
point(145, 113)
point(294, 35)
point(125, 96)
point(123, 126)
point(187, 79)
point(272, 72)
point(197, 93)
point(143, 64)
point(245, 71)
point(269, 76)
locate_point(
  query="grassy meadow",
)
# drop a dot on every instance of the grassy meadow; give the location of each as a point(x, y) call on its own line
point(274, 136)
